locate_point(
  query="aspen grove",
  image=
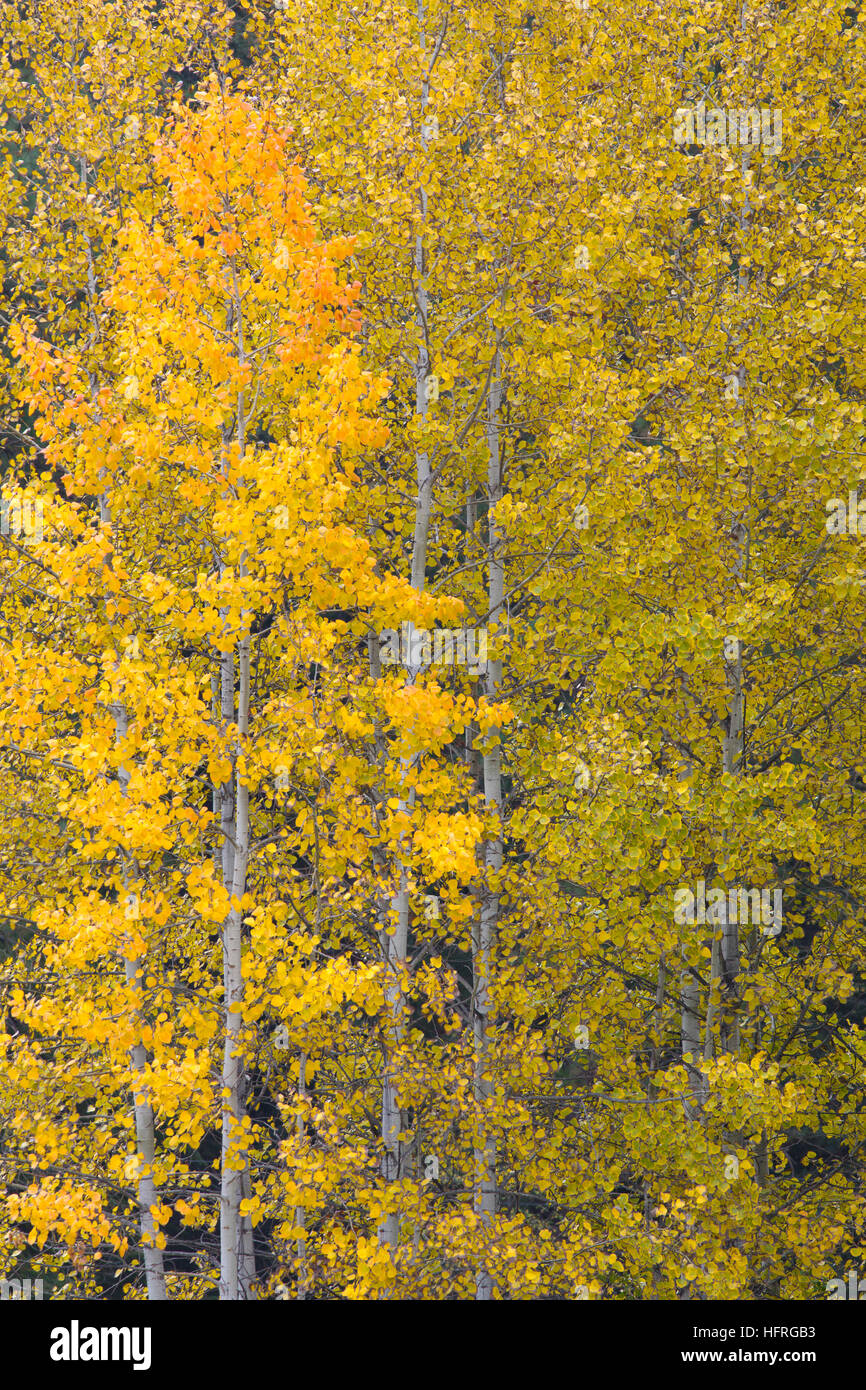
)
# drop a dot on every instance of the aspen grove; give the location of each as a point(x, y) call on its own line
point(432, 704)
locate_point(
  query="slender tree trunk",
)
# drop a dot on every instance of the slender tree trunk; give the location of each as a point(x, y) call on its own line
point(224, 855)
point(225, 792)
point(300, 1214)
point(236, 1246)
point(145, 1137)
point(148, 1196)
point(394, 943)
point(234, 1165)
point(394, 948)
point(724, 985)
point(732, 762)
point(733, 750)
point(690, 1017)
point(488, 917)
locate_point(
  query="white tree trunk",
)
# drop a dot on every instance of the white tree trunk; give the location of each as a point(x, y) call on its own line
point(486, 923)
point(690, 1016)
point(394, 1148)
point(145, 1137)
point(143, 1112)
point(154, 1265)
point(236, 1247)
point(394, 945)
point(726, 960)
point(300, 1214)
point(233, 1074)
point(733, 750)
point(148, 1196)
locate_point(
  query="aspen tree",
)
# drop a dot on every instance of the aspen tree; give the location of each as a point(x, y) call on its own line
point(594, 471)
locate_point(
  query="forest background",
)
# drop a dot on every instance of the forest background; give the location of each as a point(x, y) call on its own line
point(340, 959)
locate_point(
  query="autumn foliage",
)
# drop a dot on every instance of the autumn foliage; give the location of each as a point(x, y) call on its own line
point(329, 975)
